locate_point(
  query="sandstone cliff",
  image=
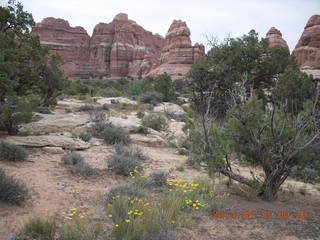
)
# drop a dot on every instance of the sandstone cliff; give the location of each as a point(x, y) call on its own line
point(119, 49)
point(307, 51)
point(178, 54)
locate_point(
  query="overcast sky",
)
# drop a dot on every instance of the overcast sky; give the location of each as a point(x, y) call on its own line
point(211, 17)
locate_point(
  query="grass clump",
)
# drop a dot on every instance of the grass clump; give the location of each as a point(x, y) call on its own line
point(154, 121)
point(12, 152)
point(38, 228)
point(12, 190)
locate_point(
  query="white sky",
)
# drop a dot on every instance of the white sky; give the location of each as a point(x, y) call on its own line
point(212, 17)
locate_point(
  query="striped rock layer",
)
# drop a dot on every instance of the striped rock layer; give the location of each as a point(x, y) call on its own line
point(118, 49)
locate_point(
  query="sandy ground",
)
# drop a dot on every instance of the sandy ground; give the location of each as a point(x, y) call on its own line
point(53, 190)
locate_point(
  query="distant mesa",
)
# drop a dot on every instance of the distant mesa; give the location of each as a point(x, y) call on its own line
point(275, 39)
point(307, 51)
point(119, 49)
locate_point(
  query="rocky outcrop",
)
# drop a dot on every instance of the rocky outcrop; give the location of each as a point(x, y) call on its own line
point(275, 39)
point(307, 51)
point(49, 141)
point(71, 43)
point(123, 48)
point(119, 49)
point(178, 54)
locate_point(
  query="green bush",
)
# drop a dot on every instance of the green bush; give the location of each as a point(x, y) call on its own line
point(163, 84)
point(72, 158)
point(152, 97)
point(113, 135)
point(129, 190)
point(125, 160)
point(110, 92)
point(12, 190)
point(38, 228)
point(85, 136)
point(154, 121)
point(12, 152)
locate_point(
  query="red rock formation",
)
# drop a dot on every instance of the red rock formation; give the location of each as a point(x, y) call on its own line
point(178, 54)
point(307, 51)
point(72, 44)
point(118, 49)
point(275, 39)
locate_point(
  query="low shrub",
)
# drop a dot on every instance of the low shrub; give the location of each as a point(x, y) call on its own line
point(158, 179)
point(83, 169)
point(12, 152)
point(38, 228)
point(140, 114)
point(72, 158)
point(113, 135)
point(85, 136)
point(86, 107)
point(43, 110)
point(122, 164)
point(125, 160)
point(12, 190)
point(177, 117)
point(128, 190)
point(151, 97)
point(154, 121)
point(130, 151)
point(141, 130)
point(110, 92)
point(97, 128)
point(97, 117)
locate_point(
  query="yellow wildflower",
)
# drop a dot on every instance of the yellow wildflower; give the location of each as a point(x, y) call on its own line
point(117, 225)
point(81, 217)
point(130, 212)
point(127, 220)
point(110, 215)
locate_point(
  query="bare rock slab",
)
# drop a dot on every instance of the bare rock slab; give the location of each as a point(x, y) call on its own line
point(63, 142)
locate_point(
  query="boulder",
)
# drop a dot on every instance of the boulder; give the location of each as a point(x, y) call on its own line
point(115, 100)
point(170, 108)
point(307, 51)
point(59, 141)
point(53, 150)
point(149, 140)
point(175, 129)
